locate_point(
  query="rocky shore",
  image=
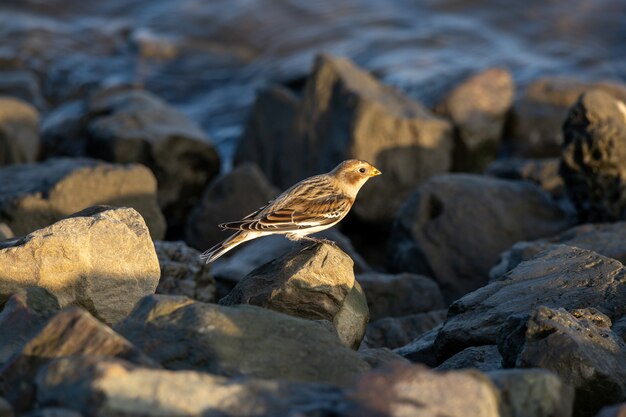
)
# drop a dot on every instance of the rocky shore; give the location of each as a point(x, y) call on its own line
point(480, 275)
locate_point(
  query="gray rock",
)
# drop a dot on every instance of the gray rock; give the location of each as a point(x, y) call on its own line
point(607, 239)
point(414, 390)
point(239, 340)
point(395, 332)
point(52, 412)
point(454, 227)
point(399, 295)
point(543, 172)
point(579, 347)
point(381, 357)
point(618, 410)
point(22, 84)
point(539, 114)
point(70, 332)
point(422, 349)
point(619, 327)
point(5, 408)
point(101, 259)
point(484, 358)
point(19, 131)
point(228, 198)
point(561, 277)
point(533, 393)
point(346, 113)
point(116, 388)
point(594, 157)
point(33, 196)
point(30, 307)
point(183, 272)
point(312, 282)
point(478, 108)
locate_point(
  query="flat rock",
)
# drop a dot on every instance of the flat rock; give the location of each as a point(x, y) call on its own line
point(484, 358)
point(533, 393)
point(399, 295)
point(19, 131)
point(101, 258)
point(593, 162)
point(478, 108)
point(70, 332)
point(414, 390)
point(543, 172)
point(539, 114)
point(395, 332)
point(239, 340)
point(607, 239)
point(35, 195)
point(346, 113)
point(578, 346)
point(228, 198)
point(560, 277)
point(183, 272)
point(454, 227)
point(312, 282)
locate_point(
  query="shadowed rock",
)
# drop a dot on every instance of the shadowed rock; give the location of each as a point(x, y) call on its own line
point(484, 358)
point(395, 332)
point(422, 349)
point(239, 340)
point(102, 259)
point(19, 131)
point(543, 172)
point(33, 196)
point(314, 282)
point(22, 84)
point(380, 357)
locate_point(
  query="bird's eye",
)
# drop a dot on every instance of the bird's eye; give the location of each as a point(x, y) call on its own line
point(362, 170)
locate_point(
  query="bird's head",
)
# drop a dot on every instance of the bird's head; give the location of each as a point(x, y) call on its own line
point(353, 173)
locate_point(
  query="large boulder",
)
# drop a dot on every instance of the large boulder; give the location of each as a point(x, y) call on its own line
point(454, 227)
point(578, 346)
point(543, 172)
point(35, 195)
point(478, 108)
point(395, 332)
point(117, 388)
point(228, 198)
point(19, 131)
point(314, 282)
point(346, 113)
point(560, 277)
point(539, 114)
point(607, 239)
point(239, 340)
point(70, 332)
point(102, 259)
point(593, 162)
point(183, 272)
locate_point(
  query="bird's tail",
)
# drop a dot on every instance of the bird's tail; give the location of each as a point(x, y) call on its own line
point(221, 248)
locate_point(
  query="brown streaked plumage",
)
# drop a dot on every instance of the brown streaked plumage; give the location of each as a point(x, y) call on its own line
point(312, 205)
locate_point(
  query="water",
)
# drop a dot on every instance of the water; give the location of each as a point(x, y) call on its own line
point(210, 57)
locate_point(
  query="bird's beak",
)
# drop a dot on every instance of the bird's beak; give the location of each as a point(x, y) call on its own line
point(375, 172)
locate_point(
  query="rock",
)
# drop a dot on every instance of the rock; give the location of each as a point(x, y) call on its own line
point(543, 172)
point(484, 358)
point(116, 388)
point(183, 272)
point(533, 393)
point(311, 282)
point(380, 357)
point(594, 156)
point(30, 307)
point(561, 277)
point(579, 347)
point(604, 238)
point(417, 391)
point(22, 84)
point(239, 340)
point(539, 114)
point(5, 408)
point(53, 412)
point(267, 131)
point(395, 332)
point(399, 295)
point(5, 231)
point(613, 411)
point(228, 198)
point(422, 349)
point(19, 131)
point(69, 332)
point(454, 227)
point(36, 195)
point(478, 108)
point(101, 259)
point(63, 130)
point(619, 327)
point(346, 113)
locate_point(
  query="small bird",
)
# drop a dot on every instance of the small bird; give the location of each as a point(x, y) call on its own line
point(312, 205)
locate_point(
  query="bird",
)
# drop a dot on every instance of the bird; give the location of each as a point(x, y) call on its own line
point(310, 206)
